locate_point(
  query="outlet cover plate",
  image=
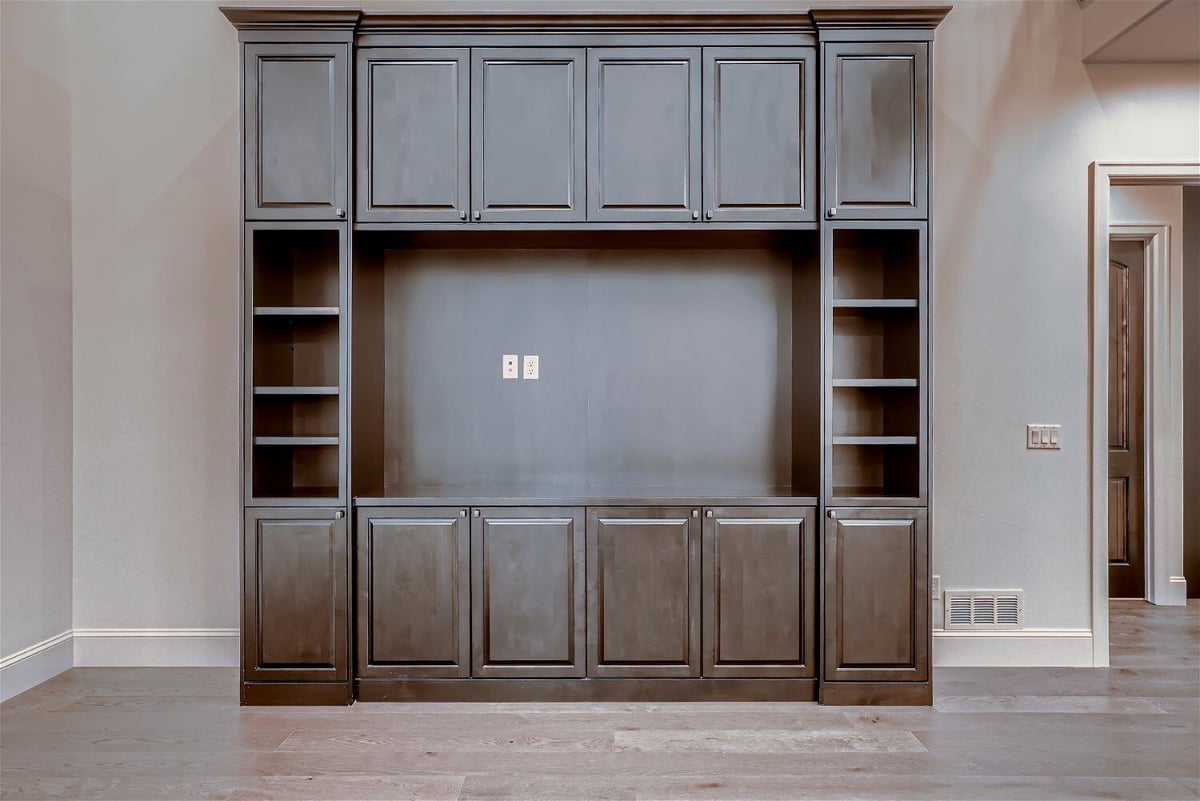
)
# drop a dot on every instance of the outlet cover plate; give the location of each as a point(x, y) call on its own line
point(530, 370)
point(508, 365)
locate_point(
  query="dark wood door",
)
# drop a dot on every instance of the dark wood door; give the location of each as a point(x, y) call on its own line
point(760, 134)
point(876, 113)
point(643, 568)
point(528, 142)
point(1126, 420)
point(759, 594)
point(414, 590)
point(297, 129)
point(876, 598)
point(295, 596)
point(414, 151)
point(528, 614)
point(644, 133)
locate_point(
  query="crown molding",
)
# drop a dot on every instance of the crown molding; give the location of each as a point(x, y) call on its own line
point(879, 17)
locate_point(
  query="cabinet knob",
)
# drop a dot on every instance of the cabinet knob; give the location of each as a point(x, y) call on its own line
point(340, 213)
point(832, 514)
point(478, 216)
point(339, 514)
point(708, 215)
point(462, 512)
point(695, 513)
point(476, 513)
point(695, 215)
point(832, 212)
point(708, 513)
point(462, 215)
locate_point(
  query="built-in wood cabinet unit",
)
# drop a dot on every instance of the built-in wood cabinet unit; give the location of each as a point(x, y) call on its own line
point(712, 228)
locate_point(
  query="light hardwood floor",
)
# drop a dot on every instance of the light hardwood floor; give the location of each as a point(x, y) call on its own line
point(1129, 732)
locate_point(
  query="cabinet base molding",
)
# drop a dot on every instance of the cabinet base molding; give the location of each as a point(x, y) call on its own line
point(877, 693)
point(296, 694)
point(494, 690)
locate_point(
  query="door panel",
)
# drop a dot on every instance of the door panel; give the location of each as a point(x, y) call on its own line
point(413, 593)
point(295, 596)
point(528, 589)
point(297, 120)
point(876, 595)
point(760, 134)
point(414, 135)
point(759, 594)
point(876, 103)
point(643, 591)
point(1126, 421)
point(528, 134)
point(644, 133)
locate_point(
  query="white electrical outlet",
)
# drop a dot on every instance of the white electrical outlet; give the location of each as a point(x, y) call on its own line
point(531, 368)
point(508, 365)
point(1042, 437)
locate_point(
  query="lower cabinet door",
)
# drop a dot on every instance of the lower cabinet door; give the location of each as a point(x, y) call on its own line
point(527, 592)
point(295, 596)
point(414, 590)
point(876, 595)
point(643, 566)
point(759, 592)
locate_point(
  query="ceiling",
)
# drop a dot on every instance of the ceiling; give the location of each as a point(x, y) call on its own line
point(1170, 32)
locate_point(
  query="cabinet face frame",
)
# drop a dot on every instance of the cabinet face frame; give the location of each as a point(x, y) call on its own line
point(369, 59)
point(575, 591)
point(248, 396)
point(836, 584)
point(598, 209)
point(804, 666)
point(460, 587)
point(481, 58)
point(597, 517)
point(828, 267)
point(253, 666)
point(850, 208)
point(806, 209)
point(323, 208)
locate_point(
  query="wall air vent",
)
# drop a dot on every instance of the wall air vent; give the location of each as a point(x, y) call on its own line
point(983, 609)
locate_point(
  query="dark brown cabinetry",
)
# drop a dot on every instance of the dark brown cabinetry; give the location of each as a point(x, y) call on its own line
point(876, 595)
point(414, 593)
point(876, 98)
point(759, 592)
point(295, 609)
point(643, 591)
point(297, 124)
point(528, 615)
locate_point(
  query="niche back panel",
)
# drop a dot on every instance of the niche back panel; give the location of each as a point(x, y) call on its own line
point(659, 367)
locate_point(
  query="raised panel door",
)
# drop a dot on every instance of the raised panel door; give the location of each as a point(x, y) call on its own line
point(644, 134)
point(527, 613)
point(295, 596)
point(297, 121)
point(759, 593)
point(528, 143)
point(760, 159)
point(414, 589)
point(414, 156)
point(643, 591)
point(876, 598)
point(876, 112)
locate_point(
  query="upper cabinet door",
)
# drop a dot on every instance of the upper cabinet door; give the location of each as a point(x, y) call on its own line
point(297, 123)
point(414, 157)
point(876, 111)
point(760, 156)
point(528, 145)
point(644, 134)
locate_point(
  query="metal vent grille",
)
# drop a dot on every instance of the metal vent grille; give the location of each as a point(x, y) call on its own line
point(983, 609)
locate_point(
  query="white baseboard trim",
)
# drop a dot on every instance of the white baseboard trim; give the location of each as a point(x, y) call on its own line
point(39, 662)
point(156, 648)
point(1016, 648)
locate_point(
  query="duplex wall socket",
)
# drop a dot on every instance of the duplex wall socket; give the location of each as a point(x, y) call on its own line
point(530, 370)
point(508, 365)
point(1043, 437)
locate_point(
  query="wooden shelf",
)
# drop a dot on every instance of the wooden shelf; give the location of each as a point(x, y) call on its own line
point(847, 493)
point(843, 440)
point(295, 440)
point(296, 390)
point(296, 311)
point(880, 383)
point(875, 303)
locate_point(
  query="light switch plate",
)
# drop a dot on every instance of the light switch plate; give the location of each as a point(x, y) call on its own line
point(936, 587)
point(508, 365)
point(1043, 437)
point(531, 368)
